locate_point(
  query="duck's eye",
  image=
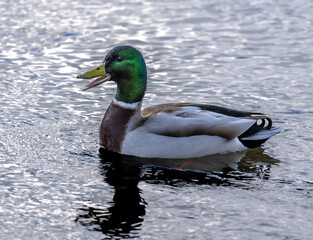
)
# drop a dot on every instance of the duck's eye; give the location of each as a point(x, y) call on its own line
point(119, 59)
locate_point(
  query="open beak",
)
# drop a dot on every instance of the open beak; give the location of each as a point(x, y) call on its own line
point(96, 72)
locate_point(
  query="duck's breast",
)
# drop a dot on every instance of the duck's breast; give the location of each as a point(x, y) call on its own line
point(113, 127)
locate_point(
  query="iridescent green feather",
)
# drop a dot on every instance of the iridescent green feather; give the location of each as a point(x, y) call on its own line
point(128, 69)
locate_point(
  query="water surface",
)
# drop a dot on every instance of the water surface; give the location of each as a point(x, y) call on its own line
point(248, 55)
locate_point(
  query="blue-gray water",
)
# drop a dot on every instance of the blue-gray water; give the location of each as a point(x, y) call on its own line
point(248, 55)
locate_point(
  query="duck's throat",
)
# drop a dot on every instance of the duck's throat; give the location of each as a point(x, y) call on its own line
point(130, 91)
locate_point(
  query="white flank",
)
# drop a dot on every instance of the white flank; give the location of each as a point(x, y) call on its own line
point(142, 144)
point(149, 141)
point(131, 106)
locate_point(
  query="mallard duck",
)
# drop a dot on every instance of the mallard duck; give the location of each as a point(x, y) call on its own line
point(172, 130)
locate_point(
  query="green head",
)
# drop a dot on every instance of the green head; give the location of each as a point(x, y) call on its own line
point(125, 66)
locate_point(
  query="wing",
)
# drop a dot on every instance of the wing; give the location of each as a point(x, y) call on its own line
point(183, 120)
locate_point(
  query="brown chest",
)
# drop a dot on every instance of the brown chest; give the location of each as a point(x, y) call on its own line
point(114, 126)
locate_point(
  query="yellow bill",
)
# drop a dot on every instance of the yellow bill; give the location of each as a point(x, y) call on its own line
point(96, 72)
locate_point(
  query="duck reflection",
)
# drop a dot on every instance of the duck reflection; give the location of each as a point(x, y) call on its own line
point(123, 219)
point(126, 213)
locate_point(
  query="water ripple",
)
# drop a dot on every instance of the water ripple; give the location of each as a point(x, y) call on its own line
point(250, 55)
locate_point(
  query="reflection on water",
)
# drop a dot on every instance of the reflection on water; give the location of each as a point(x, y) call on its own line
point(248, 55)
point(126, 213)
point(128, 208)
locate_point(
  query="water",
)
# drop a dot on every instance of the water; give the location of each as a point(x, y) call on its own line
point(249, 55)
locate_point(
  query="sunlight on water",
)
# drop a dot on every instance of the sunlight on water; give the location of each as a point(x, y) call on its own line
point(248, 55)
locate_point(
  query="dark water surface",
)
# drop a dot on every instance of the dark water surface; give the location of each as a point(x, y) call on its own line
point(249, 55)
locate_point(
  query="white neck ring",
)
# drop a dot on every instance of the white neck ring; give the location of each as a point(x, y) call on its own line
point(131, 106)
